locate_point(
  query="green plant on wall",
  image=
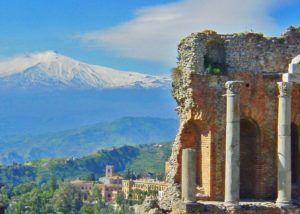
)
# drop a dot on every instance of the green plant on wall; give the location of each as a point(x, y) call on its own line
point(214, 59)
point(214, 69)
point(176, 73)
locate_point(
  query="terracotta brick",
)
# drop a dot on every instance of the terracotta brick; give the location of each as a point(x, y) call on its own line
point(258, 101)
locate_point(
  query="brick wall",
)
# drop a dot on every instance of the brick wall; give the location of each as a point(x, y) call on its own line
point(201, 107)
point(206, 162)
point(258, 101)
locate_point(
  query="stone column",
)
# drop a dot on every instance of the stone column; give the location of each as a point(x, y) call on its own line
point(284, 145)
point(188, 176)
point(232, 161)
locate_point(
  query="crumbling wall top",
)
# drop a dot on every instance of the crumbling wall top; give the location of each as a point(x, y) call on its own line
point(211, 53)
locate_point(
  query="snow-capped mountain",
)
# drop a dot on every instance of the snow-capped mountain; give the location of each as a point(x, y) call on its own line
point(30, 103)
point(52, 69)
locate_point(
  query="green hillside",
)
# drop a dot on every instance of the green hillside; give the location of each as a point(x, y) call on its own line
point(88, 139)
point(139, 159)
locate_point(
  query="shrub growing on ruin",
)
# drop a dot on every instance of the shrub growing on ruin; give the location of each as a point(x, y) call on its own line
point(214, 69)
point(176, 74)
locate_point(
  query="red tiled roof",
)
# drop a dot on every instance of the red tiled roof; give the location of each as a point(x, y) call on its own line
point(115, 177)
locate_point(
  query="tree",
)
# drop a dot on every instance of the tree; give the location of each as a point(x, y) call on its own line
point(90, 177)
point(95, 195)
point(127, 175)
point(53, 183)
point(89, 209)
point(4, 199)
point(120, 199)
point(35, 201)
point(67, 199)
point(24, 188)
point(137, 196)
point(108, 210)
point(123, 203)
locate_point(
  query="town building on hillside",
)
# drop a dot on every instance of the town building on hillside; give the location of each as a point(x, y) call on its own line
point(85, 186)
point(110, 184)
point(109, 191)
point(130, 187)
point(109, 170)
point(109, 178)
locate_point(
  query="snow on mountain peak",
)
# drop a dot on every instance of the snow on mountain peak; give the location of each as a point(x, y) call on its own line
point(50, 68)
point(44, 56)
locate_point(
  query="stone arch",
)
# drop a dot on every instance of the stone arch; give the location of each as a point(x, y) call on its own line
point(190, 137)
point(195, 134)
point(295, 164)
point(249, 140)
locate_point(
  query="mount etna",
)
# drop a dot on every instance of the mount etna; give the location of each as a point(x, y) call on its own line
point(45, 94)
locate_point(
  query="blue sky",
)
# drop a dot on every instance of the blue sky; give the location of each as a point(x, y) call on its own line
point(136, 35)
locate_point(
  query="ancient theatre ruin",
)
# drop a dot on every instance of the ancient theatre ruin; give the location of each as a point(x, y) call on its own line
point(239, 111)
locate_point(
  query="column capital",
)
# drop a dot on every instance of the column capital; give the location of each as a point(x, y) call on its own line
point(285, 88)
point(233, 87)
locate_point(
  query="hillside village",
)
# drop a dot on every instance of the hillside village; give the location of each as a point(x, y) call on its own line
point(86, 181)
point(113, 187)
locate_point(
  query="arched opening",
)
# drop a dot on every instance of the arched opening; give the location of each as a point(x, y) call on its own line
point(295, 162)
point(190, 137)
point(249, 138)
point(193, 136)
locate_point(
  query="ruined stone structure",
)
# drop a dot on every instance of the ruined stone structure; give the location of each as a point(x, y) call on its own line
point(207, 61)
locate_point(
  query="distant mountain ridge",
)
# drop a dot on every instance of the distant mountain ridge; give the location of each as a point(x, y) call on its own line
point(139, 159)
point(87, 139)
point(50, 69)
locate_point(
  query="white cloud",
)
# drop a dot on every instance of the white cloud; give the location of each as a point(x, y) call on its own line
point(155, 32)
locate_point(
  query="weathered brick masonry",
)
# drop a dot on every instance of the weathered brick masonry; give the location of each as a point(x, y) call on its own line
point(259, 62)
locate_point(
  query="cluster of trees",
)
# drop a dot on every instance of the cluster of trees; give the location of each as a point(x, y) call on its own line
point(33, 187)
point(130, 174)
point(29, 198)
point(136, 196)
